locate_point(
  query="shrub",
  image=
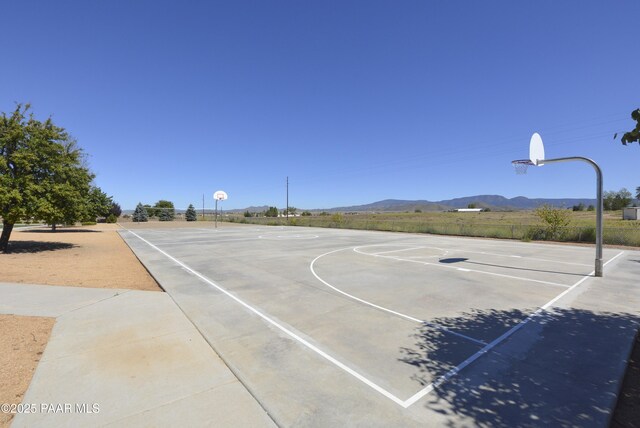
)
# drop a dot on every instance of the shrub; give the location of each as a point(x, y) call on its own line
point(247, 214)
point(306, 213)
point(555, 221)
point(337, 218)
point(112, 218)
point(87, 223)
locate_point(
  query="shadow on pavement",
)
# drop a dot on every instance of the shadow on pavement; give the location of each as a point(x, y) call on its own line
point(561, 369)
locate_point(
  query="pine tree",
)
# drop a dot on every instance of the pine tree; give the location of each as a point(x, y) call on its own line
point(140, 214)
point(165, 215)
point(190, 214)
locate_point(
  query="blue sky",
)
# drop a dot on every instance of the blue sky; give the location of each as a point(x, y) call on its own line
point(354, 101)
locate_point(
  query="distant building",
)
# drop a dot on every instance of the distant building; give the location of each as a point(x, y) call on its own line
point(631, 213)
point(467, 210)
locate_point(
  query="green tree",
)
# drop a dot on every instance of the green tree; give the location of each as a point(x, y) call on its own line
point(555, 221)
point(190, 214)
point(472, 205)
point(271, 212)
point(247, 214)
point(99, 204)
point(638, 192)
point(42, 175)
point(633, 136)
point(140, 214)
point(165, 215)
point(115, 209)
point(579, 207)
point(164, 210)
point(67, 197)
point(613, 201)
point(151, 212)
point(292, 211)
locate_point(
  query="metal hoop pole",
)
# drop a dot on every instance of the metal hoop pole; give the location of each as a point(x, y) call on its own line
point(599, 208)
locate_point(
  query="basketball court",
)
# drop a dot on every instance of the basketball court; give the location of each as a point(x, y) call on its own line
point(334, 327)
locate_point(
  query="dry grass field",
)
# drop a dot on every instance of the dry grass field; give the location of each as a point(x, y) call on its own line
point(521, 225)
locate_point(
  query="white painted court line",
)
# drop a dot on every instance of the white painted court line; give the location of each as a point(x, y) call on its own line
point(397, 251)
point(382, 308)
point(445, 266)
point(523, 257)
point(497, 341)
point(414, 398)
point(209, 241)
point(285, 330)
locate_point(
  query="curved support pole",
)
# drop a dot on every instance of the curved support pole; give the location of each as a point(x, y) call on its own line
point(599, 207)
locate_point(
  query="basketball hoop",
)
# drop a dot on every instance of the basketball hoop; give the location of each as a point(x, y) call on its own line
point(521, 165)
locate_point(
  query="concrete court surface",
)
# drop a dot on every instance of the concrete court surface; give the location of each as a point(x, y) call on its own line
point(331, 327)
point(126, 358)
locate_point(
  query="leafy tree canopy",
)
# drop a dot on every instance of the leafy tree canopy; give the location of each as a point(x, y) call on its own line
point(42, 173)
point(164, 210)
point(99, 204)
point(271, 212)
point(614, 201)
point(633, 136)
point(115, 209)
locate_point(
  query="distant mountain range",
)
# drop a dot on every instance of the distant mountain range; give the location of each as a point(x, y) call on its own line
point(481, 201)
point(494, 202)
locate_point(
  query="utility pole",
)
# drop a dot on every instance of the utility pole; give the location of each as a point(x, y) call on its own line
point(287, 199)
point(203, 207)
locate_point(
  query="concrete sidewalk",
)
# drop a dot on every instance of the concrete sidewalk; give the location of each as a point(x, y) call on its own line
point(123, 357)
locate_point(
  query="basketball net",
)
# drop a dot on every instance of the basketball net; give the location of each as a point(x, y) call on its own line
point(521, 165)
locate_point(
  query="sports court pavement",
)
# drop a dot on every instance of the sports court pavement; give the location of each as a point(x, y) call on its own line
point(329, 327)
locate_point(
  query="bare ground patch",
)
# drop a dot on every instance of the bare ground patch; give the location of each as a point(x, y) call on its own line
point(93, 256)
point(22, 342)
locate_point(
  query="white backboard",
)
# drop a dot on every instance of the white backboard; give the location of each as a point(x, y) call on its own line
point(536, 149)
point(220, 195)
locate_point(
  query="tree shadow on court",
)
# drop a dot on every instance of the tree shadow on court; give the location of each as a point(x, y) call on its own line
point(562, 356)
point(23, 247)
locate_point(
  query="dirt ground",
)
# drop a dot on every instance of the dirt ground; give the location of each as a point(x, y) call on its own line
point(22, 343)
point(93, 256)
